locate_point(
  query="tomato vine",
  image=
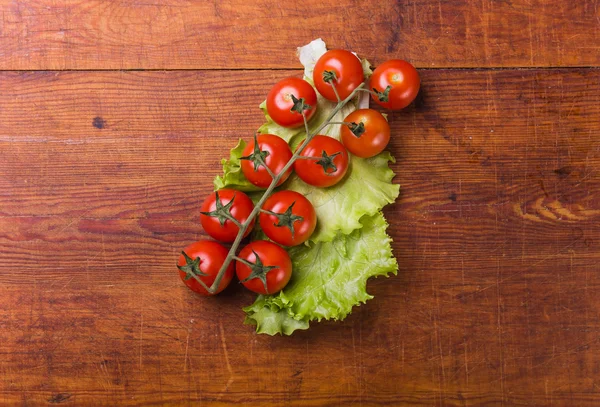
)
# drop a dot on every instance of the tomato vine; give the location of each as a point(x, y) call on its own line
point(276, 178)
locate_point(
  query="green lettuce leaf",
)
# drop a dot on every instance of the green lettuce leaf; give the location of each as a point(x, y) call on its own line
point(233, 177)
point(350, 244)
point(366, 189)
point(271, 321)
point(329, 278)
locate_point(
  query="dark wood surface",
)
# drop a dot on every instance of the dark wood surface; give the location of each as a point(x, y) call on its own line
point(217, 34)
point(497, 228)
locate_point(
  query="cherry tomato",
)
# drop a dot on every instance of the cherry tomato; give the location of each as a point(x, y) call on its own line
point(270, 270)
point(295, 220)
point(403, 80)
point(328, 163)
point(275, 152)
point(369, 138)
point(204, 258)
point(215, 213)
point(343, 69)
point(280, 102)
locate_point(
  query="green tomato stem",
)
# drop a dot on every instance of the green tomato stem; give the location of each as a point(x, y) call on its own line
point(244, 261)
point(337, 95)
point(369, 91)
point(268, 212)
point(305, 157)
point(305, 123)
point(264, 164)
point(207, 288)
point(235, 221)
point(236, 243)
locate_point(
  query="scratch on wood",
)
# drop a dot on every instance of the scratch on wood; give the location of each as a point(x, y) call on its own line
point(442, 368)
point(518, 273)
point(354, 349)
point(442, 381)
point(546, 391)
point(530, 41)
point(141, 333)
point(104, 253)
point(499, 323)
point(187, 345)
point(224, 346)
point(462, 262)
point(227, 363)
point(402, 355)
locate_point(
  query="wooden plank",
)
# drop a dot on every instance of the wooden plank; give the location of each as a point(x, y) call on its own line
point(182, 34)
point(496, 231)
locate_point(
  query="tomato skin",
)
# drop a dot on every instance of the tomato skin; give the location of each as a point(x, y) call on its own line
point(403, 79)
point(348, 71)
point(279, 154)
point(279, 202)
point(311, 172)
point(240, 209)
point(280, 103)
point(375, 138)
point(212, 256)
point(269, 254)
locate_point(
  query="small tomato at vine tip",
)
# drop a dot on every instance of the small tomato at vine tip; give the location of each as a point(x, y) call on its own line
point(395, 84)
point(288, 99)
point(264, 268)
point(323, 162)
point(288, 218)
point(204, 259)
point(366, 133)
point(340, 69)
point(220, 208)
point(269, 150)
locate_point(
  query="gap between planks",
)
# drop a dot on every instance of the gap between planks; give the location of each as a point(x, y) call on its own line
point(493, 68)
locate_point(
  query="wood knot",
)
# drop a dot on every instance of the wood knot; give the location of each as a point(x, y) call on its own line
point(564, 171)
point(99, 122)
point(59, 398)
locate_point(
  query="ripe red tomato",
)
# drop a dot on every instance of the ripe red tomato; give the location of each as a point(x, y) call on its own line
point(268, 267)
point(343, 69)
point(280, 102)
point(215, 214)
point(275, 153)
point(403, 80)
point(204, 258)
point(368, 139)
point(296, 219)
point(327, 164)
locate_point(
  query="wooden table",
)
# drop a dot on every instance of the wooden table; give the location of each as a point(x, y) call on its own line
point(113, 118)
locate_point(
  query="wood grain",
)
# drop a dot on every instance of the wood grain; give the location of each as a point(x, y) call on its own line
point(496, 232)
point(216, 34)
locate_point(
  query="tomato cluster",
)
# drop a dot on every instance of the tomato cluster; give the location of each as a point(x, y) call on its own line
point(287, 218)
